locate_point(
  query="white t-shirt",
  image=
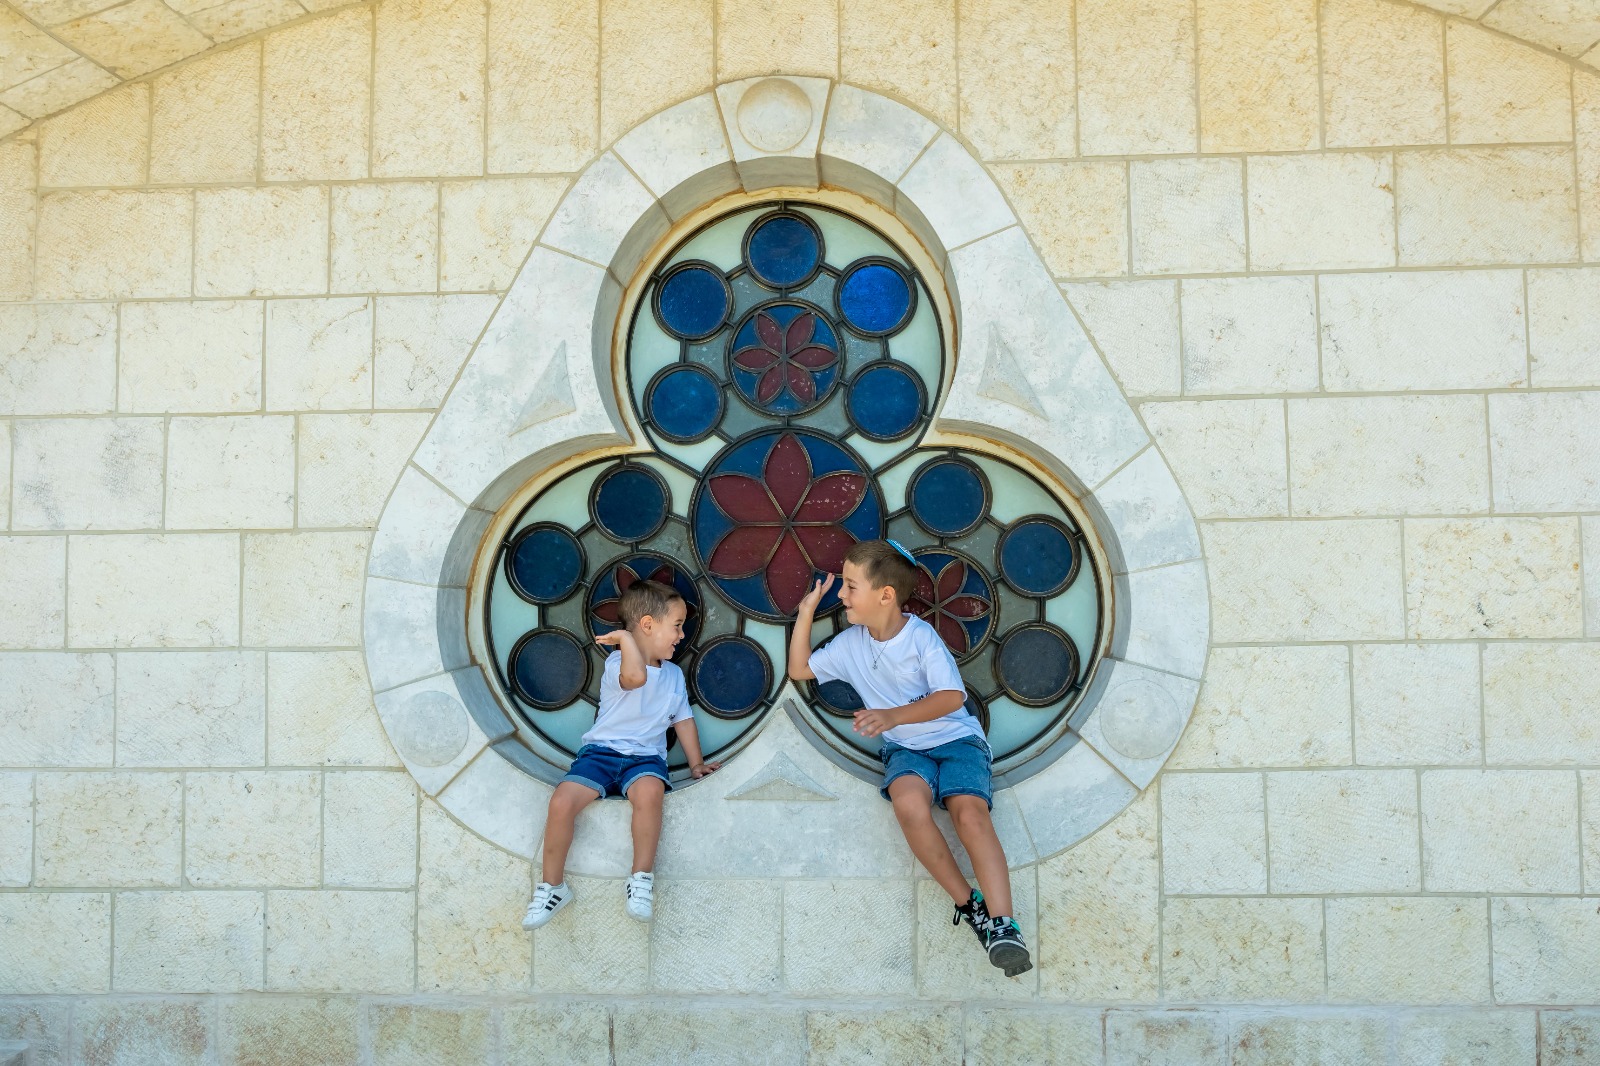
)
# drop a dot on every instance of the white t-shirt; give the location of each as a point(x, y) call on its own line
point(635, 721)
point(908, 666)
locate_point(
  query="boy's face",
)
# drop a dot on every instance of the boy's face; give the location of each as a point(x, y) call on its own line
point(658, 635)
point(863, 604)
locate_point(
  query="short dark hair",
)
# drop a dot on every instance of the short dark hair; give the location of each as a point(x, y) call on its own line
point(645, 598)
point(884, 564)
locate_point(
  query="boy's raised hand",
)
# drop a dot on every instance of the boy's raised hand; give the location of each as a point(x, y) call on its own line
point(819, 588)
point(612, 639)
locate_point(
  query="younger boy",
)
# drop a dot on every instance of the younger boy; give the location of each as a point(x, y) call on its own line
point(625, 753)
point(933, 748)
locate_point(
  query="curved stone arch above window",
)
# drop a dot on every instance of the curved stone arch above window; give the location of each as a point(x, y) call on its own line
point(538, 395)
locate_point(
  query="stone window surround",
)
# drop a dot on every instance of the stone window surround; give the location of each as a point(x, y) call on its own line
point(537, 396)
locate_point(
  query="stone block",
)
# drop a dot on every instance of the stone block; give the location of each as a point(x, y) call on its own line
point(29, 51)
point(1416, 703)
point(875, 135)
point(1500, 831)
point(1160, 1038)
point(1423, 331)
point(1258, 78)
point(1343, 831)
point(233, 19)
point(414, 543)
point(1188, 215)
point(1491, 1037)
point(1321, 211)
point(428, 88)
point(192, 357)
point(110, 243)
point(106, 141)
point(42, 1024)
point(1168, 622)
point(1265, 706)
point(1229, 456)
point(1259, 950)
point(894, 1034)
point(170, 1032)
point(369, 830)
point(712, 1035)
point(288, 1031)
point(955, 194)
point(86, 474)
point(950, 965)
point(261, 242)
point(1005, 50)
point(385, 238)
point(1249, 335)
point(33, 607)
point(403, 643)
point(1147, 515)
point(1472, 206)
point(1382, 75)
point(1537, 701)
point(470, 899)
point(59, 359)
point(205, 942)
point(1563, 324)
point(1134, 324)
point(1502, 91)
point(111, 829)
point(756, 37)
point(999, 1036)
point(319, 354)
point(54, 942)
point(59, 709)
point(303, 589)
point(1544, 950)
point(573, 1032)
point(677, 50)
point(231, 473)
point(1445, 957)
point(485, 231)
point(1571, 33)
point(1542, 448)
point(1344, 1040)
point(16, 830)
point(340, 941)
point(923, 64)
point(1589, 790)
point(1589, 533)
point(607, 217)
point(205, 121)
point(1077, 212)
point(1586, 135)
point(739, 954)
point(1136, 77)
point(421, 343)
point(204, 708)
point(1493, 577)
point(1309, 580)
point(320, 711)
point(349, 463)
point(1074, 796)
point(19, 199)
point(253, 828)
point(544, 86)
point(316, 99)
point(1213, 833)
point(134, 39)
point(880, 959)
point(415, 1035)
point(1139, 719)
point(174, 590)
point(578, 953)
point(1566, 1038)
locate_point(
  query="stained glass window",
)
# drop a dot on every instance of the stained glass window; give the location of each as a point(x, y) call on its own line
point(785, 361)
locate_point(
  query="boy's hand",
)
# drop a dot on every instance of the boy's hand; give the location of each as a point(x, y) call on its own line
point(701, 769)
point(612, 639)
point(872, 723)
point(818, 589)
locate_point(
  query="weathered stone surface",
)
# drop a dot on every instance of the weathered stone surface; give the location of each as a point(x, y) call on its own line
point(203, 708)
point(340, 941)
point(1213, 833)
point(59, 709)
point(921, 66)
point(1188, 215)
point(320, 712)
point(113, 829)
point(1493, 577)
point(998, 1036)
point(407, 1035)
point(54, 942)
point(261, 242)
point(1187, 1038)
point(1348, 1040)
point(179, 1033)
point(1229, 456)
point(739, 954)
point(1147, 515)
point(1503, 91)
point(1500, 831)
point(1259, 950)
point(487, 227)
point(16, 829)
point(1537, 701)
point(110, 244)
point(955, 193)
point(1136, 81)
point(385, 237)
point(319, 354)
point(104, 142)
point(714, 1035)
point(846, 1038)
point(1078, 213)
point(1416, 703)
point(253, 828)
point(950, 965)
point(403, 644)
point(576, 953)
point(1343, 831)
point(58, 359)
point(1544, 950)
point(428, 86)
point(1445, 957)
point(1563, 327)
point(469, 907)
point(303, 589)
point(1135, 326)
point(369, 830)
point(420, 343)
point(544, 86)
point(1267, 706)
point(1257, 75)
point(19, 197)
point(1586, 134)
point(100, 473)
point(677, 51)
point(231, 473)
point(33, 573)
point(1249, 335)
point(174, 590)
point(1567, 1038)
point(1589, 533)
point(1309, 211)
point(880, 960)
point(349, 464)
point(1542, 448)
point(288, 1031)
point(316, 99)
point(68, 84)
point(1382, 74)
point(205, 119)
point(200, 357)
point(1009, 49)
point(42, 1024)
point(1432, 1037)
point(1168, 625)
point(1467, 206)
point(133, 39)
point(576, 1033)
point(188, 942)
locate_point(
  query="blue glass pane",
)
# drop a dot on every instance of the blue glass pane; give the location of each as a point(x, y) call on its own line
point(545, 564)
point(1036, 664)
point(693, 301)
point(548, 668)
point(875, 298)
point(885, 401)
point(840, 697)
point(784, 250)
point(731, 676)
point(685, 403)
point(1037, 557)
point(948, 497)
point(781, 365)
point(630, 503)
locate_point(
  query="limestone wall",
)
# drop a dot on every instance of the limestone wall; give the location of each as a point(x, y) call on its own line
point(1334, 255)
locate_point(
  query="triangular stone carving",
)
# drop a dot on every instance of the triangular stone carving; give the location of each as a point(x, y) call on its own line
point(551, 396)
point(781, 779)
point(1003, 379)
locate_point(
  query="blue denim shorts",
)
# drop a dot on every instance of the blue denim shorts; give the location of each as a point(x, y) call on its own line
point(957, 768)
point(612, 773)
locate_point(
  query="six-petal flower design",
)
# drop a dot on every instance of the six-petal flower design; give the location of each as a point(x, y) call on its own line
point(786, 357)
point(942, 603)
point(605, 612)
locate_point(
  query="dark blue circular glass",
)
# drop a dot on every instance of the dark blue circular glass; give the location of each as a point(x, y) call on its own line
point(693, 301)
point(874, 298)
point(840, 697)
point(948, 497)
point(885, 401)
point(731, 675)
point(545, 564)
point(1037, 557)
point(685, 403)
point(783, 250)
point(548, 668)
point(630, 503)
point(1036, 664)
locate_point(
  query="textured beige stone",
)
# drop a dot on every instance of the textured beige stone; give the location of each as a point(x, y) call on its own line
point(487, 227)
point(420, 344)
point(1343, 831)
point(1586, 135)
point(319, 354)
point(577, 953)
point(412, 1035)
point(1321, 211)
point(204, 708)
point(1470, 206)
point(103, 142)
point(1078, 212)
point(232, 19)
point(58, 88)
point(1213, 833)
point(349, 464)
point(174, 1033)
point(688, 956)
point(1567, 1038)
point(206, 120)
point(1382, 74)
point(1136, 77)
point(1227, 455)
point(1262, 950)
point(111, 829)
point(676, 49)
point(16, 830)
point(428, 84)
point(1501, 90)
point(1543, 449)
point(1500, 831)
point(1446, 956)
point(1537, 703)
point(947, 966)
point(1349, 1040)
point(1434, 1037)
point(921, 65)
point(783, 37)
point(303, 589)
point(1493, 577)
point(114, 243)
point(252, 828)
point(1544, 950)
point(1007, 50)
point(1564, 327)
point(54, 942)
point(231, 473)
point(1569, 28)
point(191, 357)
point(1135, 326)
point(712, 1035)
point(28, 51)
point(1257, 75)
point(58, 359)
point(19, 216)
point(1589, 532)
point(288, 1031)
point(1187, 1038)
point(59, 709)
point(340, 941)
point(316, 99)
point(1416, 703)
point(1270, 707)
point(385, 237)
point(134, 38)
point(42, 1023)
point(1188, 215)
point(576, 1032)
point(33, 605)
point(320, 712)
point(880, 959)
point(1249, 335)
point(998, 1036)
point(469, 905)
point(544, 85)
point(849, 1038)
point(175, 590)
point(369, 830)
point(189, 942)
point(86, 474)
point(261, 242)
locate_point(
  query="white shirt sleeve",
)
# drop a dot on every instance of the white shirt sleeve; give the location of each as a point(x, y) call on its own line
point(679, 710)
point(939, 667)
point(825, 662)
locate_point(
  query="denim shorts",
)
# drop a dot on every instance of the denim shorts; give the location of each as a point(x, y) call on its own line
point(612, 773)
point(957, 768)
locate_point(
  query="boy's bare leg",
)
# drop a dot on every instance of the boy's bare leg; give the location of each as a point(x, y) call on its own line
point(645, 794)
point(565, 802)
point(913, 806)
point(976, 830)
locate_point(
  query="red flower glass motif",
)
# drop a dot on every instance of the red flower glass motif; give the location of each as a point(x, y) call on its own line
point(786, 357)
point(940, 602)
point(605, 611)
point(787, 522)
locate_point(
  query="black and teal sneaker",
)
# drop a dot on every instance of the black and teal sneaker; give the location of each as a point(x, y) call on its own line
point(975, 914)
point(1006, 949)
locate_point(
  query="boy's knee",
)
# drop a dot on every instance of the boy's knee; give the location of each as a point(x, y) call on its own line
point(912, 805)
point(967, 812)
point(647, 792)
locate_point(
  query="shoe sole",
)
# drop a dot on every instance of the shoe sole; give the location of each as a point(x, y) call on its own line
point(645, 919)
point(1011, 959)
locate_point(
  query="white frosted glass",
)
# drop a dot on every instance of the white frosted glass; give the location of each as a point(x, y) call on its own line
point(567, 501)
point(1014, 493)
point(568, 725)
point(510, 616)
point(714, 733)
point(846, 241)
point(681, 484)
point(918, 345)
point(1011, 724)
point(1077, 611)
point(695, 456)
point(649, 349)
point(893, 481)
point(775, 639)
point(875, 453)
point(722, 244)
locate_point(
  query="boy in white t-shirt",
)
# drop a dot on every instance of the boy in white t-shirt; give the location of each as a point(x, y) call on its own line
point(933, 748)
point(625, 752)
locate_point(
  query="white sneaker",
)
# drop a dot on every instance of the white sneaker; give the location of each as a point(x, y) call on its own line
point(640, 889)
point(547, 899)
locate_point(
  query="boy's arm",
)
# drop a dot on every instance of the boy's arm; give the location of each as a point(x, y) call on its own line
point(689, 737)
point(633, 673)
point(800, 638)
point(934, 705)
